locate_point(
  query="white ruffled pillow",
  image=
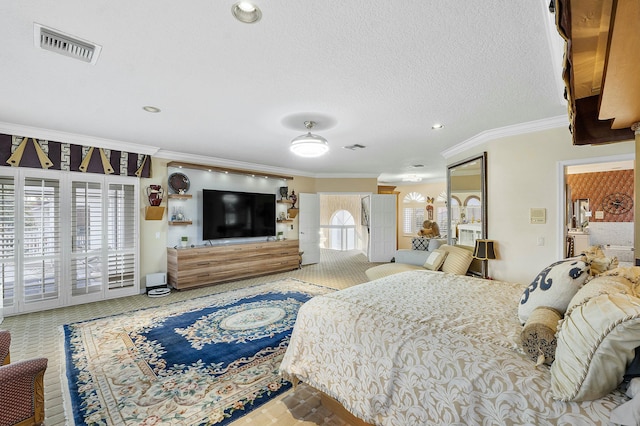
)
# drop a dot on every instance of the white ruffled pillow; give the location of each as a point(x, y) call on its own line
point(554, 287)
point(595, 342)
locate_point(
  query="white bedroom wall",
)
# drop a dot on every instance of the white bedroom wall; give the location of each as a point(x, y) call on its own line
point(523, 173)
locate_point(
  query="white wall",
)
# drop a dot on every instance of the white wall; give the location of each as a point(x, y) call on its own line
point(522, 172)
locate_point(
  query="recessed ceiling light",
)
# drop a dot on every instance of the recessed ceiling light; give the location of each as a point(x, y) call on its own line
point(152, 109)
point(246, 12)
point(417, 166)
point(437, 126)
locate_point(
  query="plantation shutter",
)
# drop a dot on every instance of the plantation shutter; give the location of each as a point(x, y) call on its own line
point(121, 234)
point(86, 237)
point(41, 248)
point(7, 240)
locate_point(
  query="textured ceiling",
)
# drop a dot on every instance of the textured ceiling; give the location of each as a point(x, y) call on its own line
point(377, 73)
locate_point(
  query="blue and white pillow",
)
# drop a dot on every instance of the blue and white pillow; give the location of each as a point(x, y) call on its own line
point(554, 287)
point(420, 243)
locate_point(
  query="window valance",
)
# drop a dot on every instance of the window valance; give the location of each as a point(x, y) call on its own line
point(20, 151)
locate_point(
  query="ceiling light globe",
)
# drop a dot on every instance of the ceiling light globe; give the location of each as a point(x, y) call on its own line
point(245, 6)
point(309, 145)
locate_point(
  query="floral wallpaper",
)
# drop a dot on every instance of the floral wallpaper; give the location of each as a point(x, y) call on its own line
point(596, 187)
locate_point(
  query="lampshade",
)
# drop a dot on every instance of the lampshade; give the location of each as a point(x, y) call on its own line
point(309, 145)
point(484, 250)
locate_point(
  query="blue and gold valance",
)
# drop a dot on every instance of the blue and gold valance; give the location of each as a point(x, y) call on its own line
point(20, 151)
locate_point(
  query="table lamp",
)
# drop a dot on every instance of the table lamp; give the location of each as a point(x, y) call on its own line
point(484, 250)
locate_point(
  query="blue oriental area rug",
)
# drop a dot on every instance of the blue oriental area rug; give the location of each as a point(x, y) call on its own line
point(205, 361)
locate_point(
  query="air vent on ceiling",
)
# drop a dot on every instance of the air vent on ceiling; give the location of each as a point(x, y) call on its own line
point(354, 147)
point(65, 44)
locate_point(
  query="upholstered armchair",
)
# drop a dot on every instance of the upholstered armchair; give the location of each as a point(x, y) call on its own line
point(21, 388)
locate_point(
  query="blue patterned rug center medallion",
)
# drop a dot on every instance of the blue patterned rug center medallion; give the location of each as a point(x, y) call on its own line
point(204, 361)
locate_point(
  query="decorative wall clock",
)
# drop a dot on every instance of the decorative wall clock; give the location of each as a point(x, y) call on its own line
point(617, 203)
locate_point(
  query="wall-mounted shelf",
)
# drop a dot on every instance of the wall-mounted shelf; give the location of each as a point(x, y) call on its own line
point(284, 201)
point(284, 221)
point(180, 196)
point(180, 222)
point(153, 212)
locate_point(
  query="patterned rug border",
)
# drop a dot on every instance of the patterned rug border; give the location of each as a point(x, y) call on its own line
point(198, 297)
point(66, 394)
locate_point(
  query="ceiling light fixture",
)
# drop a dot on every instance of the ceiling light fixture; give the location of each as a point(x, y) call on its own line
point(152, 109)
point(437, 126)
point(309, 145)
point(412, 178)
point(246, 12)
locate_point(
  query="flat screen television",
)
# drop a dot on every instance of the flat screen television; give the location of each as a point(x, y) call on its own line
point(233, 214)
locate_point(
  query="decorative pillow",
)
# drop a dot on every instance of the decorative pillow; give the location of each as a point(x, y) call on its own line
point(435, 243)
point(603, 284)
point(593, 252)
point(435, 259)
point(419, 243)
point(596, 342)
point(631, 273)
point(554, 287)
point(457, 261)
point(603, 264)
point(539, 335)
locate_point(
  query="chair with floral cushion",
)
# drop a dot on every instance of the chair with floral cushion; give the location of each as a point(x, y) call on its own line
point(21, 387)
point(5, 341)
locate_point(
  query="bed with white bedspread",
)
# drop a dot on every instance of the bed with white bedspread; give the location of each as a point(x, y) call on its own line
point(423, 348)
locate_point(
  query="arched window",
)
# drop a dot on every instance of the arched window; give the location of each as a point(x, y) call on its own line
point(473, 207)
point(342, 235)
point(413, 212)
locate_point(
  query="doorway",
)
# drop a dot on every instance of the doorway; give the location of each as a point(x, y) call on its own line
point(591, 209)
point(341, 222)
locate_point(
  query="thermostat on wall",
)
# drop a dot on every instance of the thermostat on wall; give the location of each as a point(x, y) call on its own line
point(538, 215)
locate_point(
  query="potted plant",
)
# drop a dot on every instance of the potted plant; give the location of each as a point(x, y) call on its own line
point(184, 241)
point(280, 236)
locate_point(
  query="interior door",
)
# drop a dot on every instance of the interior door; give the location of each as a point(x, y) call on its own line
point(309, 227)
point(382, 240)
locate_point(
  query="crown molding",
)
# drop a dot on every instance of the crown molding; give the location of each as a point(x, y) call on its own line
point(73, 138)
point(502, 132)
point(242, 165)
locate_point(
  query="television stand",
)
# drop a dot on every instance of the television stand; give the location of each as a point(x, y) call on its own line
point(201, 266)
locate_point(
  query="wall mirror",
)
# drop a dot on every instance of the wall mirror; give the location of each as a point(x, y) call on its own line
point(581, 212)
point(467, 201)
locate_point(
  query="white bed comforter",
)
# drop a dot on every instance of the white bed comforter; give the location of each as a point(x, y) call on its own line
point(425, 348)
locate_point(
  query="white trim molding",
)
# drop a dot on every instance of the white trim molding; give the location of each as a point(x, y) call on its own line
point(502, 132)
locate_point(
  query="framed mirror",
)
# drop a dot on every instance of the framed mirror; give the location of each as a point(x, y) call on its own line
point(467, 201)
point(582, 213)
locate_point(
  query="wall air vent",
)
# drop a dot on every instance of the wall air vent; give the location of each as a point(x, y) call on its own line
point(65, 44)
point(354, 147)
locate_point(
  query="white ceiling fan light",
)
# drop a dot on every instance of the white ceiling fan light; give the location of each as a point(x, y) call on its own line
point(309, 145)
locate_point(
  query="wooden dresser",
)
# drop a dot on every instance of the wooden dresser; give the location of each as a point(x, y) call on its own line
point(200, 266)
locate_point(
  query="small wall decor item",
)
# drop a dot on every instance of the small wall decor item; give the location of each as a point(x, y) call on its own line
point(155, 194)
point(284, 192)
point(179, 183)
point(294, 198)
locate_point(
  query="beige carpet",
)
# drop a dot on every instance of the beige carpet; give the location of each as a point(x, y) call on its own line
point(37, 334)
